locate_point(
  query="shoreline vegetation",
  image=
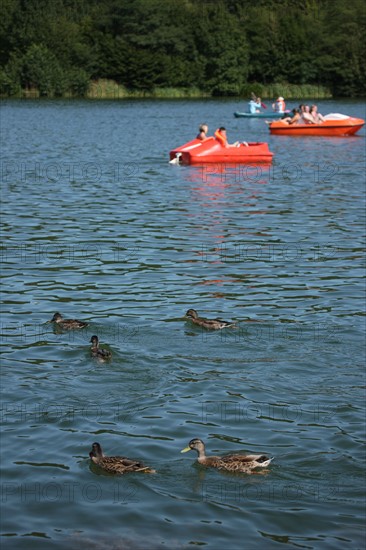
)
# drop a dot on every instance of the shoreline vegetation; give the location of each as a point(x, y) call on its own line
point(186, 49)
point(107, 89)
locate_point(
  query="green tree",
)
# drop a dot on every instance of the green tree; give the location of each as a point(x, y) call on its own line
point(219, 46)
point(9, 8)
point(342, 52)
point(223, 46)
point(40, 69)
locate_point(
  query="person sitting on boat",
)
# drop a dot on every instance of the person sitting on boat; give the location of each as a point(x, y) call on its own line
point(255, 105)
point(202, 132)
point(306, 116)
point(316, 116)
point(279, 106)
point(294, 119)
point(221, 137)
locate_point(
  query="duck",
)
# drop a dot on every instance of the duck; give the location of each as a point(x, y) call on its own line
point(209, 324)
point(96, 351)
point(67, 324)
point(230, 463)
point(117, 464)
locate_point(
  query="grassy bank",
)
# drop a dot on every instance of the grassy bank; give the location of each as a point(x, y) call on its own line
point(109, 89)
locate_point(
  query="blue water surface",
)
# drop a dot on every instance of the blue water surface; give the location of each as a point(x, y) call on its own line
point(99, 226)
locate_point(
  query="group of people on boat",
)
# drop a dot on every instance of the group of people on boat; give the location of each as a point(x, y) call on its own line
point(220, 136)
point(304, 114)
point(255, 104)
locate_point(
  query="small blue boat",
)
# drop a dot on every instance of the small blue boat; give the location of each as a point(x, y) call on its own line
point(237, 114)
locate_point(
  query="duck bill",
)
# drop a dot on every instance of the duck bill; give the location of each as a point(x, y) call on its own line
point(185, 450)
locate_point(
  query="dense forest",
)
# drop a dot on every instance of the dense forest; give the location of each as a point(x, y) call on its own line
point(219, 47)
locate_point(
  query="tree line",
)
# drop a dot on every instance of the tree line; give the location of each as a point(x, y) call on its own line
point(221, 47)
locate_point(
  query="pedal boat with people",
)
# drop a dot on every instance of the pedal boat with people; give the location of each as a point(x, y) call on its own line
point(334, 124)
point(211, 151)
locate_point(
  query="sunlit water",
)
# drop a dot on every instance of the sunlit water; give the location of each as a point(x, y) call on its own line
point(98, 226)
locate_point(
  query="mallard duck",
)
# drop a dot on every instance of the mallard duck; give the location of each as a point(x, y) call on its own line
point(67, 324)
point(96, 351)
point(117, 464)
point(209, 324)
point(231, 463)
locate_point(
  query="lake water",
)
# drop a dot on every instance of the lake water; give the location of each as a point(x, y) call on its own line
point(98, 226)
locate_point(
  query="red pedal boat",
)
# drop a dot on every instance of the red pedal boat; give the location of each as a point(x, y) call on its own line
point(211, 151)
point(339, 125)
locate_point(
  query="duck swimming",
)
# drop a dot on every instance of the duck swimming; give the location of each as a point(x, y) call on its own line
point(116, 464)
point(67, 324)
point(231, 463)
point(96, 351)
point(209, 324)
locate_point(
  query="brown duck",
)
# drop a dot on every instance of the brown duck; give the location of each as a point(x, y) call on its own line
point(209, 324)
point(97, 352)
point(231, 463)
point(116, 464)
point(67, 324)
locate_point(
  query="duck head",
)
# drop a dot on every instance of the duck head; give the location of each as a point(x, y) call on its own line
point(197, 445)
point(96, 451)
point(56, 318)
point(95, 341)
point(192, 313)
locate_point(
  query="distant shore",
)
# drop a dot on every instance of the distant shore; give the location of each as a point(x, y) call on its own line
point(109, 89)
